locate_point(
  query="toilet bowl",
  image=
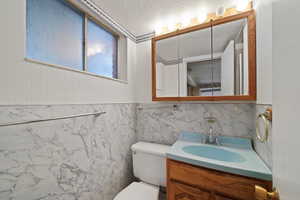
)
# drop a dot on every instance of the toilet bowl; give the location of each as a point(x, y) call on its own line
point(138, 191)
point(149, 166)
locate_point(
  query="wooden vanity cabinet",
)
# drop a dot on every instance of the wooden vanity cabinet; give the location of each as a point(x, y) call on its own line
point(180, 191)
point(188, 182)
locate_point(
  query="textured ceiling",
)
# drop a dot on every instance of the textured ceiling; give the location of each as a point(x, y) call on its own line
point(141, 16)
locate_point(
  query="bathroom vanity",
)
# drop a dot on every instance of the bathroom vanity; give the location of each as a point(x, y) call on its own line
point(228, 171)
point(189, 182)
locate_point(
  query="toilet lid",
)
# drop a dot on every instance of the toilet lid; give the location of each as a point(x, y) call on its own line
point(138, 191)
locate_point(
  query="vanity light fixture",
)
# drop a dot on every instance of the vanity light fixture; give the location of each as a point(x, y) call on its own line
point(179, 26)
point(188, 20)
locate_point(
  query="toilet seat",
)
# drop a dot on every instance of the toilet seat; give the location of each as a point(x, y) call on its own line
point(139, 191)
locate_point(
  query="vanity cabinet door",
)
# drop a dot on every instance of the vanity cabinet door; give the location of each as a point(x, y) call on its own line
point(178, 191)
point(218, 197)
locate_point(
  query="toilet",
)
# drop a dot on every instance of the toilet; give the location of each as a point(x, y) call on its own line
point(149, 166)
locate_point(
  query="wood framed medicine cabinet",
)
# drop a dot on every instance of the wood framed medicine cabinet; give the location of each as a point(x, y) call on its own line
point(191, 57)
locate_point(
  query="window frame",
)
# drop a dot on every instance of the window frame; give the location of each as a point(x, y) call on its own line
point(86, 18)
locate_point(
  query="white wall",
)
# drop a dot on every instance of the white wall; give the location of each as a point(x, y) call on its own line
point(286, 98)
point(22, 82)
point(264, 51)
point(143, 70)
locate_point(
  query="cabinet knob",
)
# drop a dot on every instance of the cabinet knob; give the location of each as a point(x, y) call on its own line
point(262, 194)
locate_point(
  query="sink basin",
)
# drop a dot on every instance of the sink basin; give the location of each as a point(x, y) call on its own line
point(214, 153)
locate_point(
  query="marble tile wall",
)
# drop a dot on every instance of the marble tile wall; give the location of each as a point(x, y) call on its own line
point(89, 158)
point(264, 150)
point(86, 158)
point(161, 123)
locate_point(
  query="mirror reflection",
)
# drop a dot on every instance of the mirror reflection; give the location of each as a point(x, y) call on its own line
point(230, 51)
point(195, 52)
point(207, 62)
point(167, 68)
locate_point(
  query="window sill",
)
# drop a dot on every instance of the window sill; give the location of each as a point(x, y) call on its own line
point(73, 70)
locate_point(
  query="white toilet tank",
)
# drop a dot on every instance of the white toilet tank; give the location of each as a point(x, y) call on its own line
point(149, 162)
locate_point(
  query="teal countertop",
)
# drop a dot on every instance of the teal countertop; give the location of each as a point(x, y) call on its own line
point(251, 165)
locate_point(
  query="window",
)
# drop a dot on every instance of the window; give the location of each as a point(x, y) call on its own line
point(59, 34)
point(101, 51)
point(55, 33)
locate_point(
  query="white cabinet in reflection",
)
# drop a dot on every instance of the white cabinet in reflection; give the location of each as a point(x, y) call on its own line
point(159, 78)
point(227, 72)
point(169, 79)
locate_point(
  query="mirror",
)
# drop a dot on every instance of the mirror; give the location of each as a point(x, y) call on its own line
point(167, 68)
point(177, 73)
point(211, 61)
point(230, 52)
point(195, 54)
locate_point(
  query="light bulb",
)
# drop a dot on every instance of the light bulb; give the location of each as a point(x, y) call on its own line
point(242, 5)
point(171, 24)
point(186, 19)
point(158, 28)
point(202, 17)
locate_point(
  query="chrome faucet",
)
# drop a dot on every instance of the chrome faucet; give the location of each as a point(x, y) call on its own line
point(211, 138)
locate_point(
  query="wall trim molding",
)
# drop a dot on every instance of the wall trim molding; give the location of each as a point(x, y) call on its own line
point(145, 37)
point(108, 19)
